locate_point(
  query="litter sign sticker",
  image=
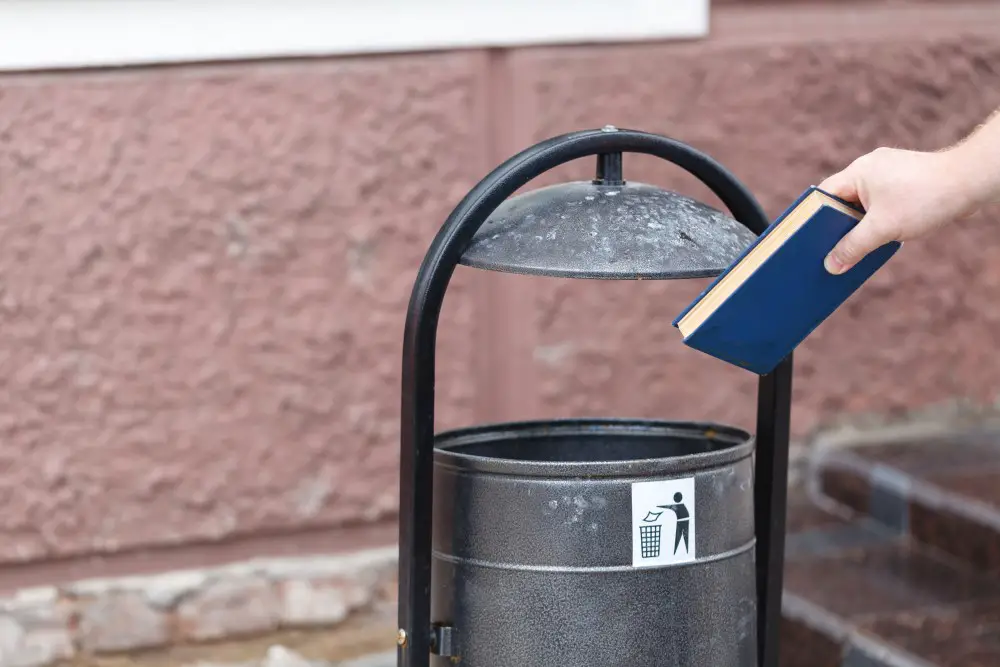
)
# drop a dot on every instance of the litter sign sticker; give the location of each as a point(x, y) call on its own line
point(663, 522)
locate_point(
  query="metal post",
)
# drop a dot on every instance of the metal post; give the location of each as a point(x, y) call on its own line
point(774, 402)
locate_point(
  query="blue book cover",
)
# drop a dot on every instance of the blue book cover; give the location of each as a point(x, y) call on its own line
point(777, 291)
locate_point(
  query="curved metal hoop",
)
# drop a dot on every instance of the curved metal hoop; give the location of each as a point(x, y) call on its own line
point(420, 336)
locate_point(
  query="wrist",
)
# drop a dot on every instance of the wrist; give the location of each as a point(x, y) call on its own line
point(970, 175)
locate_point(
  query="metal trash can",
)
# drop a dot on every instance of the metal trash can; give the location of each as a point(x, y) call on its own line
point(589, 542)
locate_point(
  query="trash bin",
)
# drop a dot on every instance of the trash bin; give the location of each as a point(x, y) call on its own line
point(589, 542)
point(596, 543)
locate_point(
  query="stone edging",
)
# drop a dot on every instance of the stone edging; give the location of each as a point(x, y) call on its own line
point(279, 656)
point(40, 626)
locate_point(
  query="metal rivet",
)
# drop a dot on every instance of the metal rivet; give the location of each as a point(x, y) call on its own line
point(609, 128)
point(401, 638)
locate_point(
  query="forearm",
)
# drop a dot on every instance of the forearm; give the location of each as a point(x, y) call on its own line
point(977, 162)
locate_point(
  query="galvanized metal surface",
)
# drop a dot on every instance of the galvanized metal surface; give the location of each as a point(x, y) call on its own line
point(588, 230)
point(533, 546)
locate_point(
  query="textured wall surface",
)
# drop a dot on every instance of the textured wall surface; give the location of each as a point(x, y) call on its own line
point(204, 270)
point(781, 117)
point(203, 278)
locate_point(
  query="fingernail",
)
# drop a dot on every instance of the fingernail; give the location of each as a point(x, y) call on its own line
point(833, 265)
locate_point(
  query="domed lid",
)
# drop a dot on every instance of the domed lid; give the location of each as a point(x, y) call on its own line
point(607, 230)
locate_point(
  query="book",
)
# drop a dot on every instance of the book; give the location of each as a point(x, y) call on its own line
point(777, 292)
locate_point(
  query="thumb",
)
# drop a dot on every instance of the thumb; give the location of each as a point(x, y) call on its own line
point(864, 238)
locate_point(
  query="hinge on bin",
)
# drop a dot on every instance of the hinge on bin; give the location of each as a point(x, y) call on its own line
point(443, 640)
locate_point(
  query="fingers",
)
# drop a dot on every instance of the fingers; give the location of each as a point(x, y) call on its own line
point(863, 239)
point(842, 184)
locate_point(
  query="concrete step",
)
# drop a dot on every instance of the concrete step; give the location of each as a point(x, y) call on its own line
point(861, 594)
point(941, 491)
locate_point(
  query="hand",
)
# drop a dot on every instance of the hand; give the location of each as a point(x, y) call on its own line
point(906, 194)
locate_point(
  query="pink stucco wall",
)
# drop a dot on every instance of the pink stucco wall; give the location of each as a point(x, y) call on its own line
point(204, 269)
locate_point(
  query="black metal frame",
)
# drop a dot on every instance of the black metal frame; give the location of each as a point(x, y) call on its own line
point(419, 343)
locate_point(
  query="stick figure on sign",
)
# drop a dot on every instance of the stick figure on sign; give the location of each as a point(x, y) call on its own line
point(681, 511)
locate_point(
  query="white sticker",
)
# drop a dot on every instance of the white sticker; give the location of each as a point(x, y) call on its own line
point(663, 522)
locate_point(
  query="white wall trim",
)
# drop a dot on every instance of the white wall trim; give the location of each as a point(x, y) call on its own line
point(39, 34)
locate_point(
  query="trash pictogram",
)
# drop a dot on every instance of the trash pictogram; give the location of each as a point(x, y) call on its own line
point(649, 536)
point(663, 522)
